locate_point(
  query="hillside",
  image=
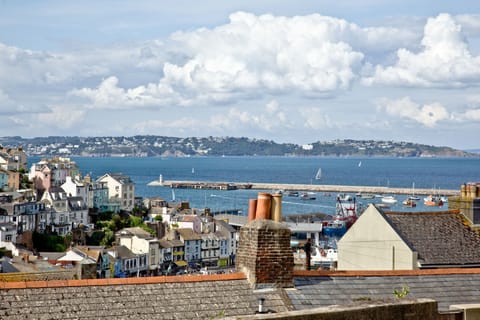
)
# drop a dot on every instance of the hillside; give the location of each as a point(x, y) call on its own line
point(151, 146)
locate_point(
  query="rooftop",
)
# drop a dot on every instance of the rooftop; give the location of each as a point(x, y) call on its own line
point(226, 295)
point(427, 232)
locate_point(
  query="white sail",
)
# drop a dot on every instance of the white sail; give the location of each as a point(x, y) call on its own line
point(318, 176)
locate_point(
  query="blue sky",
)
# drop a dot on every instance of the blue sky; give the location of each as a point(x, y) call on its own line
point(289, 71)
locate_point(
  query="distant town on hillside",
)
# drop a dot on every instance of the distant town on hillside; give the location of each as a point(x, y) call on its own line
point(161, 146)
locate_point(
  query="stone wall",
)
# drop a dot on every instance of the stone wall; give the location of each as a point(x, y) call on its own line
point(420, 309)
point(265, 255)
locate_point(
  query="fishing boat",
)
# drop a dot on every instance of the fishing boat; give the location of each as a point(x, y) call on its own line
point(345, 216)
point(334, 228)
point(389, 199)
point(432, 201)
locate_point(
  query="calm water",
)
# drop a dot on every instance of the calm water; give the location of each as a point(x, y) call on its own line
point(444, 173)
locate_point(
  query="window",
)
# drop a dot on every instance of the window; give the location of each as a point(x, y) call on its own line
point(8, 238)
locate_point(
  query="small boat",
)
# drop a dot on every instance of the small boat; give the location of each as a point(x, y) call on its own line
point(413, 196)
point(292, 193)
point(409, 203)
point(389, 199)
point(308, 196)
point(318, 175)
point(344, 197)
point(367, 196)
point(432, 201)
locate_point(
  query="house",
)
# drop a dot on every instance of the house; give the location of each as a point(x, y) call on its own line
point(408, 241)
point(19, 157)
point(231, 236)
point(13, 158)
point(192, 243)
point(97, 198)
point(52, 172)
point(74, 187)
point(126, 263)
point(121, 189)
point(78, 211)
point(140, 241)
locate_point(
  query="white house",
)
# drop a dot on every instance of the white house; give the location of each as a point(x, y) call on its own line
point(141, 242)
point(120, 188)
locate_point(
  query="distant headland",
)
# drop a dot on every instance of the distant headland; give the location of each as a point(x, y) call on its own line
point(162, 146)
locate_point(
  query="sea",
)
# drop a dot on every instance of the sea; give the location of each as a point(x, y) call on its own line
point(434, 173)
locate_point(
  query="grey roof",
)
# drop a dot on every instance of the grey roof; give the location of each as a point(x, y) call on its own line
point(135, 231)
point(311, 292)
point(177, 300)
point(188, 234)
point(440, 238)
point(123, 179)
point(123, 252)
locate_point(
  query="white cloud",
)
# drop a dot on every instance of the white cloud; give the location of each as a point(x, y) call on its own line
point(444, 60)
point(6, 104)
point(470, 115)
point(470, 23)
point(62, 117)
point(315, 118)
point(428, 114)
point(253, 56)
point(266, 119)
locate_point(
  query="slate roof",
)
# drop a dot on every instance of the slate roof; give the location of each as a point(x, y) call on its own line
point(446, 289)
point(213, 297)
point(440, 238)
point(227, 295)
point(188, 234)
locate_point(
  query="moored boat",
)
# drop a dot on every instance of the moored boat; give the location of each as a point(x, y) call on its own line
point(432, 201)
point(409, 203)
point(389, 199)
point(308, 196)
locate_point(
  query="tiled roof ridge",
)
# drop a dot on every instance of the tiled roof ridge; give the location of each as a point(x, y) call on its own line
point(385, 273)
point(423, 213)
point(120, 281)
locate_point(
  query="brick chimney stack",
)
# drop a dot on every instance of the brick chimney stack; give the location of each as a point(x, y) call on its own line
point(264, 253)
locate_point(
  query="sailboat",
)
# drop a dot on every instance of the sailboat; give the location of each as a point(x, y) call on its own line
point(360, 164)
point(318, 176)
point(193, 170)
point(413, 196)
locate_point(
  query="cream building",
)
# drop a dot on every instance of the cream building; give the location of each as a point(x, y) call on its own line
point(120, 189)
point(381, 240)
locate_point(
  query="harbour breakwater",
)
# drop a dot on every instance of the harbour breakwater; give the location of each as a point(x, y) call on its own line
point(306, 187)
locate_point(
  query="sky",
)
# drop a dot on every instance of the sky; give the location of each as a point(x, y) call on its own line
point(289, 71)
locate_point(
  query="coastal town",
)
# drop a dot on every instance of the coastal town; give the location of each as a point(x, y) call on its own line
point(58, 226)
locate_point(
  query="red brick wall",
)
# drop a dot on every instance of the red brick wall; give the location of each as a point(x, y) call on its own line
point(265, 255)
